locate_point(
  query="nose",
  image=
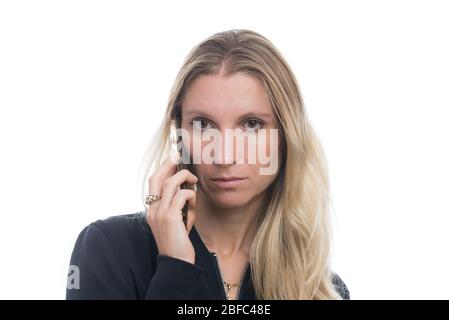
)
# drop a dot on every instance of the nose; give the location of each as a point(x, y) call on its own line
point(227, 154)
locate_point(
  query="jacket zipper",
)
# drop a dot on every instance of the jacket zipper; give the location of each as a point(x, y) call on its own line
point(222, 281)
point(241, 281)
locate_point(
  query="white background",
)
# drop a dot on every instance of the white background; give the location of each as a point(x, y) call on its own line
point(83, 85)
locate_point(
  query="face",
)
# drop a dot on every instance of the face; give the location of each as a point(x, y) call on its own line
point(237, 104)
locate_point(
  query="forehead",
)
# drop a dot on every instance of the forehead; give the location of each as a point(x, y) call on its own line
point(226, 97)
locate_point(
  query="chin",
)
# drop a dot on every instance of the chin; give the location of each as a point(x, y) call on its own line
point(228, 201)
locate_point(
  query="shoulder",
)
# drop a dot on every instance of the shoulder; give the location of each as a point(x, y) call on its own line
point(124, 234)
point(107, 256)
point(123, 225)
point(340, 286)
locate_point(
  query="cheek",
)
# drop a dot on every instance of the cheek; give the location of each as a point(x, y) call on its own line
point(260, 182)
point(267, 149)
point(190, 140)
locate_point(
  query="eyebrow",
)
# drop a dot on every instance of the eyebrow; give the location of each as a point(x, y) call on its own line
point(246, 115)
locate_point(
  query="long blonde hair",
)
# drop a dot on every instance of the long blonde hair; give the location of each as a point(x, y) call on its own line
point(290, 255)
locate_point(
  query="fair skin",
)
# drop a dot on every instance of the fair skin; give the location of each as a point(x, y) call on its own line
point(225, 218)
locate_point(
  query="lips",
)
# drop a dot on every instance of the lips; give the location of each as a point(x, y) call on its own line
point(227, 178)
point(228, 182)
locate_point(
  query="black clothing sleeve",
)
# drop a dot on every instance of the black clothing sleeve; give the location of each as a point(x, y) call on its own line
point(118, 258)
point(103, 275)
point(341, 287)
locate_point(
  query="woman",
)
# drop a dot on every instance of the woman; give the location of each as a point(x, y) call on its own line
point(259, 236)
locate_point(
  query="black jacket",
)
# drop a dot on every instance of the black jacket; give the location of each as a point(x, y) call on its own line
point(117, 258)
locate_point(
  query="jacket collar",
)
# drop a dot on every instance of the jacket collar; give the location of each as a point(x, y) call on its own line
point(206, 259)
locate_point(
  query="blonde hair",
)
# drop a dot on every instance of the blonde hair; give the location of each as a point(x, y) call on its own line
point(290, 255)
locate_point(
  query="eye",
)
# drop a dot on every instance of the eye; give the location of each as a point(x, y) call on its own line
point(198, 123)
point(253, 124)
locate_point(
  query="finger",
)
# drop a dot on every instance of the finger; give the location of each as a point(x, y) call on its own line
point(171, 185)
point(179, 200)
point(166, 169)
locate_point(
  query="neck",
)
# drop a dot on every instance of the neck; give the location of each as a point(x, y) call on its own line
point(227, 231)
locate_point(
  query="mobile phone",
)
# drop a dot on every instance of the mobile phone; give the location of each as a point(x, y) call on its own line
point(175, 145)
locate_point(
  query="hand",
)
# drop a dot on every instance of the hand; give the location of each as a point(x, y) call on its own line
point(165, 216)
